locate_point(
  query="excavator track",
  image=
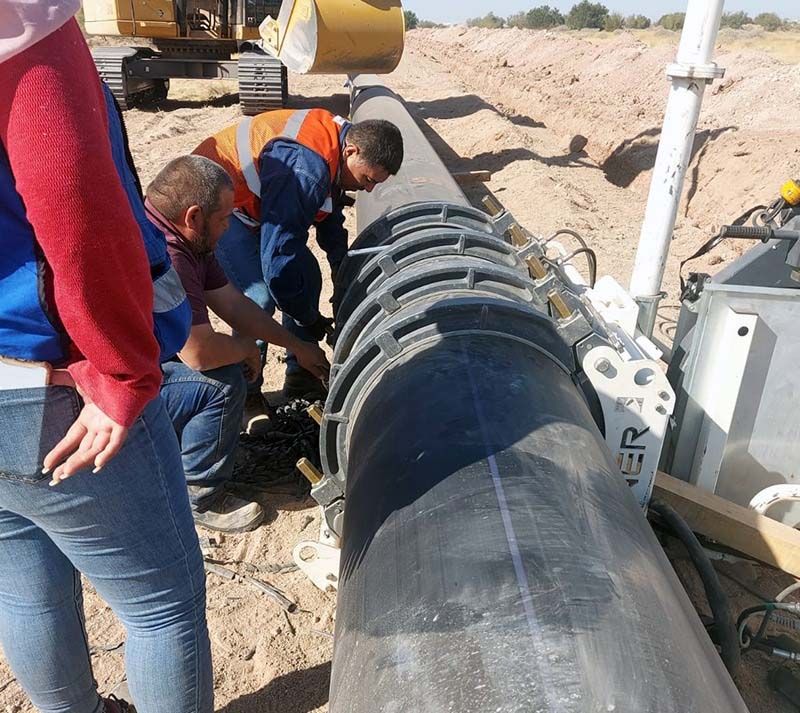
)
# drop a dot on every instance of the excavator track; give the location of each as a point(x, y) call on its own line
point(128, 91)
point(263, 82)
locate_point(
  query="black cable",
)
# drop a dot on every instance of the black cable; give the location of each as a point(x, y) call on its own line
point(749, 640)
point(720, 607)
point(567, 231)
point(769, 214)
point(591, 258)
point(591, 255)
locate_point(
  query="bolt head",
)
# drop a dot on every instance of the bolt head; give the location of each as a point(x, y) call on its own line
point(602, 365)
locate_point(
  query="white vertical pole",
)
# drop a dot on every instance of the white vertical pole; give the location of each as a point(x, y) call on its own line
point(690, 74)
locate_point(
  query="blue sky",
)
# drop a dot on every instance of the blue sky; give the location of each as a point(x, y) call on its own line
point(458, 10)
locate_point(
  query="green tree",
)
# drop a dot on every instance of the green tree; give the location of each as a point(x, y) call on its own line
point(637, 22)
point(614, 21)
point(518, 19)
point(673, 21)
point(412, 21)
point(490, 21)
point(429, 25)
point(769, 21)
point(587, 14)
point(544, 16)
point(735, 20)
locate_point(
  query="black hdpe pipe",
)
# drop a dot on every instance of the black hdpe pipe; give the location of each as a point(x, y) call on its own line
point(493, 559)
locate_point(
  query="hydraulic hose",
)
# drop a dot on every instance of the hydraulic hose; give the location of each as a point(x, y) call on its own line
point(724, 626)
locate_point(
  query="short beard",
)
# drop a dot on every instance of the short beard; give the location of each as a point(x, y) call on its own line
point(201, 246)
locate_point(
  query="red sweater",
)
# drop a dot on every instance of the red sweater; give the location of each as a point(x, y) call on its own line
point(53, 125)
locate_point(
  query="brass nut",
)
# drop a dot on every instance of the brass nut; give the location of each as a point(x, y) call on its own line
point(315, 412)
point(536, 267)
point(492, 205)
point(307, 468)
point(518, 236)
point(560, 306)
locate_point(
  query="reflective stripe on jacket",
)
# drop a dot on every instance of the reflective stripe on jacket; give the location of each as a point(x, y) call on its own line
point(238, 150)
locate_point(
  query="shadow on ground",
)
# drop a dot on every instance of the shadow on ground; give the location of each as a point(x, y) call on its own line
point(460, 106)
point(337, 103)
point(493, 161)
point(294, 692)
point(638, 154)
point(170, 104)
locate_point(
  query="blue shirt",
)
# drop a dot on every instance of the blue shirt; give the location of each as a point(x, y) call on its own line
point(296, 181)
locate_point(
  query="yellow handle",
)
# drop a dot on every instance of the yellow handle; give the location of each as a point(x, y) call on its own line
point(790, 192)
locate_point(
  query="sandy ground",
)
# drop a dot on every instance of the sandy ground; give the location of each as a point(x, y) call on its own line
point(508, 102)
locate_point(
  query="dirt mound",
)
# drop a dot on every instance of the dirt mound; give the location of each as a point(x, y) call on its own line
point(612, 89)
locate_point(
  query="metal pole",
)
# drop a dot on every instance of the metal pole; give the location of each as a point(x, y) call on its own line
point(692, 71)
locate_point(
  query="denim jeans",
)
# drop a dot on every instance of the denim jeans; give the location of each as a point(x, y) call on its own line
point(239, 253)
point(206, 410)
point(129, 530)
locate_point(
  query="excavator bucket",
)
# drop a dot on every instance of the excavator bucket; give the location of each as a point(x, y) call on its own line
point(336, 36)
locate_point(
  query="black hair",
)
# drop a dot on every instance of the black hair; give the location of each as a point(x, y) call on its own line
point(186, 181)
point(379, 142)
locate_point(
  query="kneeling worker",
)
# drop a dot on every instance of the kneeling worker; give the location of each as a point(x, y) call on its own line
point(191, 200)
point(289, 170)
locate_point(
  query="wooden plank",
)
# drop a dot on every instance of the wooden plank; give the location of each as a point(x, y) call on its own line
point(732, 525)
point(472, 178)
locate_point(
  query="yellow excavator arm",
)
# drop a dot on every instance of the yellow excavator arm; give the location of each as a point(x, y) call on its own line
point(336, 36)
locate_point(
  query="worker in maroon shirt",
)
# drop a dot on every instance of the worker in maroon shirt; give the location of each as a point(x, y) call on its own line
point(191, 200)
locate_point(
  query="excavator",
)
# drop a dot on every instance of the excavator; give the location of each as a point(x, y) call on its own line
point(254, 41)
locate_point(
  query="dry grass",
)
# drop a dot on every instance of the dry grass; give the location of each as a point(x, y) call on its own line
point(784, 46)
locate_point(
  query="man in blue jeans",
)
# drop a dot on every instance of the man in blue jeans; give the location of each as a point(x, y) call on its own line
point(79, 383)
point(191, 200)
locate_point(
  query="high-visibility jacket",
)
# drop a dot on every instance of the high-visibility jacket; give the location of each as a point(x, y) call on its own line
point(238, 150)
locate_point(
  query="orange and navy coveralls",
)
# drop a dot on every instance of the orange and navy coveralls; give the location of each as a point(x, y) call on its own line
point(285, 167)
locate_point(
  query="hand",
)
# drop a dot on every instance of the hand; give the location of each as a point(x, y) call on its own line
point(321, 328)
point(313, 359)
point(252, 363)
point(94, 438)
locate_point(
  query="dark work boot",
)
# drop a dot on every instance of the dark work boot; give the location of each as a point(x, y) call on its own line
point(112, 704)
point(119, 700)
point(302, 384)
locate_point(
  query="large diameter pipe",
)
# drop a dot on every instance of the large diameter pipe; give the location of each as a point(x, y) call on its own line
point(690, 74)
point(494, 559)
point(422, 177)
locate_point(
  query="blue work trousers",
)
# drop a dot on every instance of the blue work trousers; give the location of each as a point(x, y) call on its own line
point(239, 253)
point(206, 410)
point(129, 530)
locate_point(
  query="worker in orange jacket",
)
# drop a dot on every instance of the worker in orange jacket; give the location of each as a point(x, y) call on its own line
point(290, 169)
